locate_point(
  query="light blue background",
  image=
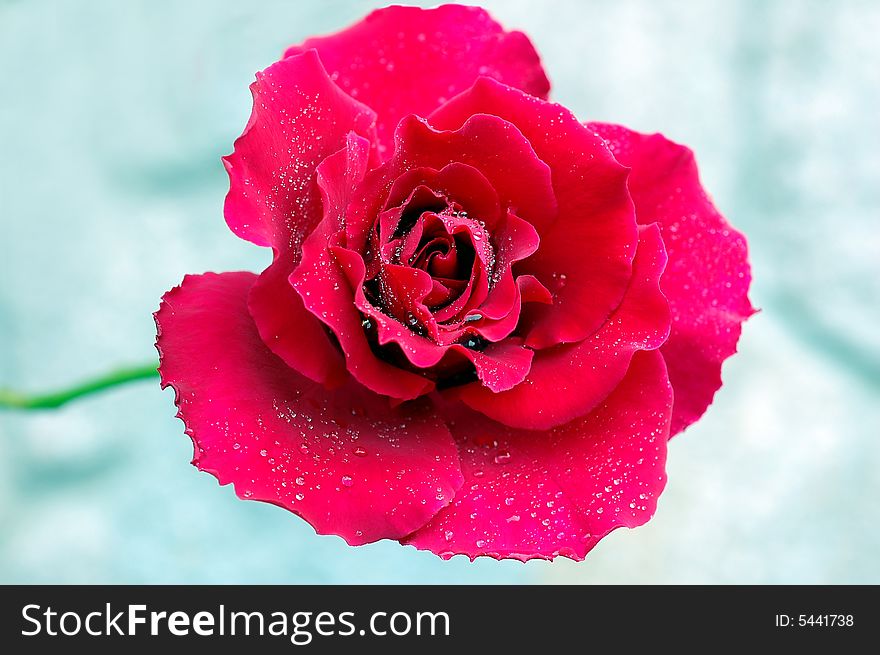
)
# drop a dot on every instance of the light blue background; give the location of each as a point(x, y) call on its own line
point(113, 117)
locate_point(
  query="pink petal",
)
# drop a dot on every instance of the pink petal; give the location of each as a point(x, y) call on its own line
point(500, 366)
point(456, 181)
point(495, 147)
point(708, 275)
point(586, 254)
point(515, 240)
point(406, 60)
point(543, 494)
point(290, 331)
point(531, 290)
point(299, 117)
point(344, 461)
point(568, 381)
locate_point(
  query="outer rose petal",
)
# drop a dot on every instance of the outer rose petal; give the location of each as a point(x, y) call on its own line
point(708, 275)
point(286, 326)
point(538, 495)
point(406, 60)
point(299, 117)
point(586, 254)
point(568, 381)
point(343, 461)
point(290, 330)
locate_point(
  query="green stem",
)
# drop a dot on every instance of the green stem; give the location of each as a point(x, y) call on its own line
point(14, 400)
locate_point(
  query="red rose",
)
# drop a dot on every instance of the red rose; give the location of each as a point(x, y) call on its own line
point(483, 319)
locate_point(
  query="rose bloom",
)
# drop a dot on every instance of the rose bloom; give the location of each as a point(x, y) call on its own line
point(484, 318)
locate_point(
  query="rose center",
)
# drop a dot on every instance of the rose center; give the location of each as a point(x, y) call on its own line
point(444, 245)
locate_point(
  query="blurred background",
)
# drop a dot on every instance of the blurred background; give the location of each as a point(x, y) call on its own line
point(113, 118)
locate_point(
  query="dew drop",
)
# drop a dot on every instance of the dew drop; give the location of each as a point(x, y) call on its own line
point(503, 457)
point(347, 481)
point(300, 481)
point(360, 452)
point(484, 441)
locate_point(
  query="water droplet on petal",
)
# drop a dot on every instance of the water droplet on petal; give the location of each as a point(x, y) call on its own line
point(347, 481)
point(503, 457)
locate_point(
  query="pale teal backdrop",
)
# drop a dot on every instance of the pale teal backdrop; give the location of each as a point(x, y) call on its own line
point(113, 117)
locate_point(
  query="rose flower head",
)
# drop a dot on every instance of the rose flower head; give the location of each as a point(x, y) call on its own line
point(484, 318)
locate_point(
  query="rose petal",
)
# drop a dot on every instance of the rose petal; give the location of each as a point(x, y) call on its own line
point(568, 381)
point(299, 118)
point(290, 331)
point(586, 254)
point(531, 290)
point(493, 146)
point(344, 461)
point(543, 494)
point(499, 366)
point(477, 239)
point(404, 290)
point(707, 278)
point(456, 182)
point(514, 241)
point(322, 281)
point(406, 60)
